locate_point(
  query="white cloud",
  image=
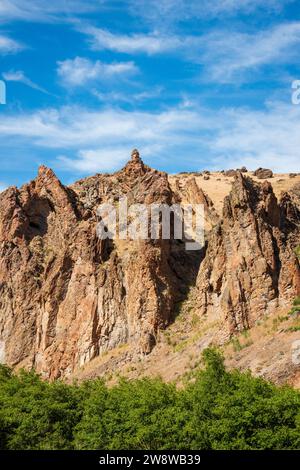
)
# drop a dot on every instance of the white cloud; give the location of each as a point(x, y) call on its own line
point(162, 11)
point(79, 134)
point(75, 127)
point(240, 6)
point(228, 56)
point(260, 138)
point(166, 12)
point(154, 43)
point(79, 71)
point(102, 159)
point(45, 10)
point(89, 141)
point(9, 46)
point(119, 97)
point(19, 76)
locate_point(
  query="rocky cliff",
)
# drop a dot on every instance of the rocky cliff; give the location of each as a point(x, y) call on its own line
point(67, 297)
point(251, 267)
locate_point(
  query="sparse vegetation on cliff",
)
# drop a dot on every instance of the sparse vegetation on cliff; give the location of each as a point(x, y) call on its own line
point(296, 306)
point(220, 410)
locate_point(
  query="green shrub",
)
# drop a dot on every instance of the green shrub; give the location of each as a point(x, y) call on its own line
point(219, 410)
point(296, 306)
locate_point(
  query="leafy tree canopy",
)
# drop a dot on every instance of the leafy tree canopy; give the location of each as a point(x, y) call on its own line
point(219, 410)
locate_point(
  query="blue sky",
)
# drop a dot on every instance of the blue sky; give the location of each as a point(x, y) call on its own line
point(193, 84)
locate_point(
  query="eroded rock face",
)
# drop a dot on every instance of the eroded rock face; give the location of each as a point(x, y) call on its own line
point(190, 193)
point(250, 266)
point(65, 295)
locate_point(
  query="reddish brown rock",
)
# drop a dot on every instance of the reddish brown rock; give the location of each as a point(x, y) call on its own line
point(67, 296)
point(190, 193)
point(250, 267)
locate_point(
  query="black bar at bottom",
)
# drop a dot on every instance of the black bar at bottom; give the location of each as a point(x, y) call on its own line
point(144, 459)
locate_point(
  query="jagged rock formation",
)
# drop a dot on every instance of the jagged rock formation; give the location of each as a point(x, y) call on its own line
point(250, 267)
point(190, 193)
point(65, 295)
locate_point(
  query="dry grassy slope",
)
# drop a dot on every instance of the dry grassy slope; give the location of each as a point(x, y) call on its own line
point(266, 349)
point(218, 186)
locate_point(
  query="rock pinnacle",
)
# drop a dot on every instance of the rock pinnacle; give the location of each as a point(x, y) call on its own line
point(135, 156)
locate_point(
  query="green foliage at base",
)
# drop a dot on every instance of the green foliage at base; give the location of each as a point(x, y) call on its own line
point(220, 410)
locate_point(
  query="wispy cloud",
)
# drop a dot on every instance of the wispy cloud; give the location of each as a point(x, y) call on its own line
point(19, 76)
point(154, 43)
point(166, 12)
point(79, 71)
point(121, 97)
point(44, 10)
point(231, 7)
point(228, 56)
point(157, 12)
point(259, 138)
point(9, 46)
point(101, 159)
point(193, 137)
point(60, 128)
point(61, 132)
point(225, 56)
